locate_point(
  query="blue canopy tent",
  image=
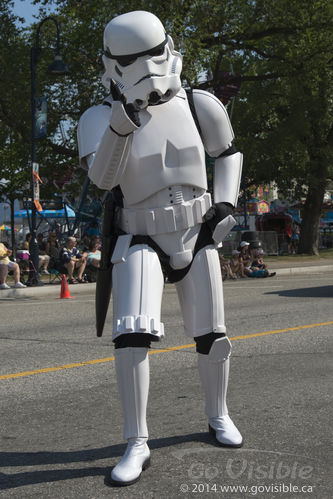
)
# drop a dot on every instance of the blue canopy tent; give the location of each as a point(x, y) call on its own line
point(66, 212)
point(65, 216)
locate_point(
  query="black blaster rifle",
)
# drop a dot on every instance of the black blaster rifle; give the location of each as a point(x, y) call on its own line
point(104, 274)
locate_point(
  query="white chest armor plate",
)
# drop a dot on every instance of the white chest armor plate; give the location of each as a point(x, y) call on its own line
point(166, 150)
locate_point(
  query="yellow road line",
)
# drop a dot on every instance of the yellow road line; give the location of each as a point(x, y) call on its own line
point(277, 331)
point(162, 350)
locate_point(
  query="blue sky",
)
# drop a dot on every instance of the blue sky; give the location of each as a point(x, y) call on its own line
point(25, 9)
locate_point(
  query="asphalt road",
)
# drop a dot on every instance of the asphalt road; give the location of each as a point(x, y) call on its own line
point(60, 419)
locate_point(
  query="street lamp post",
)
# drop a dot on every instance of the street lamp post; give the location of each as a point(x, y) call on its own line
point(57, 67)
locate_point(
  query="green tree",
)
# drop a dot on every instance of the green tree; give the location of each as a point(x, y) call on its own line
point(281, 49)
point(13, 111)
point(285, 115)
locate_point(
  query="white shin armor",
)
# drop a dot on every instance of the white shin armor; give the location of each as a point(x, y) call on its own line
point(214, 375)
point(132, 368)
point(214, 378)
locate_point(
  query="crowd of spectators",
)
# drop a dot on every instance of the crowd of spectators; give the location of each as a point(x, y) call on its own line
point(245, 262)
point(77, 258)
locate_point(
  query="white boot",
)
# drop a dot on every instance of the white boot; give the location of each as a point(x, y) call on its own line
point(214, 376)
point(132, 368)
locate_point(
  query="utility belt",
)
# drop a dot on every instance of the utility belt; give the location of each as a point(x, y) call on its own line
point(166, 219)
point(125, 241)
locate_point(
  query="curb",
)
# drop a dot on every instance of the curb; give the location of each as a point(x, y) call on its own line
point(54, 289)
point(46, 290)
point(314, 269)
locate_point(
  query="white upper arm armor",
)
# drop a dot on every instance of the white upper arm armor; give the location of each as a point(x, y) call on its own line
point(217, 136)
point(216, 129)
point(90, 131)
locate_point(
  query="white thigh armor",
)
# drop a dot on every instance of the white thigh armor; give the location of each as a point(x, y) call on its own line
point(138, 286)
point(200, 295)
point(137, 293)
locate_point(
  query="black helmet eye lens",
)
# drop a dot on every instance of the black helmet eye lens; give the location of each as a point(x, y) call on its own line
point(126, 61)
point(157, 52)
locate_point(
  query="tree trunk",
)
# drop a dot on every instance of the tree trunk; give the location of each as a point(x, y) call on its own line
point(320, 157)
point(309, 237)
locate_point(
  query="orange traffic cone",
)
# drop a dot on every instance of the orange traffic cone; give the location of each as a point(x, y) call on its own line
point(64, 292)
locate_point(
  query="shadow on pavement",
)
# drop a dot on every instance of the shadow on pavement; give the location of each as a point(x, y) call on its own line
point(24, 459)
point(316, 292)
point(33, 477)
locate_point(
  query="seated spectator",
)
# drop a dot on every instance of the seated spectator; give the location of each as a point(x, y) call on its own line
point(97, 240)
point(84, 244)
point(250, 267)
point(6, 265)
point(43, 257)
point(94, 254)
point(225, 268)
point(71, 259)
point(93, 230)
point(23, 258)
point(259, 268)
point(258, 261)
point(253, 248)
point(26, 243)
point(52, 249)
point(23, 254)
point(236, 265)
point(245, 257)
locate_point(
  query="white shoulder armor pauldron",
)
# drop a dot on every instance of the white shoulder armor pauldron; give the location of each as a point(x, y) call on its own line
point(216, 130)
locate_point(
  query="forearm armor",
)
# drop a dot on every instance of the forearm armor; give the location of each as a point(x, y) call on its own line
point(111, 156)
point(227, 177)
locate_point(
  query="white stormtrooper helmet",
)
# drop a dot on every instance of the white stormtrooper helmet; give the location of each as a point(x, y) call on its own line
point(140, 59)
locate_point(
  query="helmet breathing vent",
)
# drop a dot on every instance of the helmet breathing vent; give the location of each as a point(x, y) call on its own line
point(173, 67)
point(120, 85)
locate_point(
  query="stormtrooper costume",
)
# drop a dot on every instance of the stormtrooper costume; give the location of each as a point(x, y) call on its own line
point(143, 141)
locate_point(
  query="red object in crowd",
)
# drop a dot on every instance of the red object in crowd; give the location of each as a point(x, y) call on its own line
point(279, 222)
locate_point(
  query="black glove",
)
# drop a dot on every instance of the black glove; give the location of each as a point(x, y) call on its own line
point(130, 109)
point(216, 213)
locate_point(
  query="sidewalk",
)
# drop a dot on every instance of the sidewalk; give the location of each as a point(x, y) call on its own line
point(45, 290)
point(300, 266)
point(281, 267)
